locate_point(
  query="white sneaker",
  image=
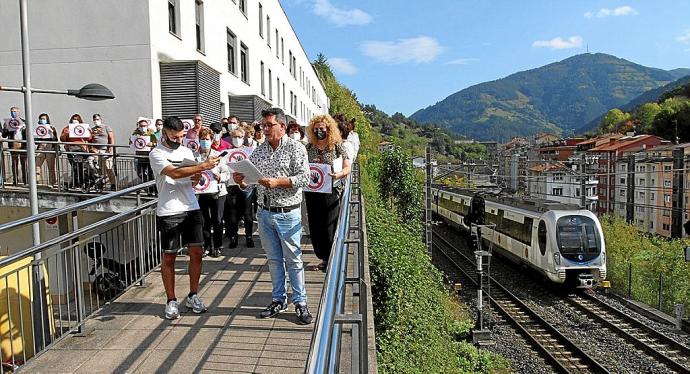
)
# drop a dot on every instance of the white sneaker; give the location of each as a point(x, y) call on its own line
point(195, 304)
point(171, 310)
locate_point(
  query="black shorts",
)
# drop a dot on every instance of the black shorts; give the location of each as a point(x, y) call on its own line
point(186, 226)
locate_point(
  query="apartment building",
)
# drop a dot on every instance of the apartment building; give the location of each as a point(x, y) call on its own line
point(161, 58)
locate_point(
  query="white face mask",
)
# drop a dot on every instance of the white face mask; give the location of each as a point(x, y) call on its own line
point(296, 136)
point(232, 126)
point(216, 137)
point(237, 142)
point(97, 122)
point(74, 121)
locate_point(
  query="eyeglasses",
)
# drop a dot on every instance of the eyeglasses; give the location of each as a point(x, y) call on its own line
point(267, 126)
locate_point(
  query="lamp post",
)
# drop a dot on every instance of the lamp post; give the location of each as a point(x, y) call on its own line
point(89, 92)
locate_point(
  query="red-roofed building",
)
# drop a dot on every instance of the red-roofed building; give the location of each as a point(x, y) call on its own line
point(608, 153)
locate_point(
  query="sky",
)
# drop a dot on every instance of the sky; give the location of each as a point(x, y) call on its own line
point(405, 55)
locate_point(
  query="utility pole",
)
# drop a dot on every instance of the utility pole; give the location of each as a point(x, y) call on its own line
point(428, 197)
point(677, 194)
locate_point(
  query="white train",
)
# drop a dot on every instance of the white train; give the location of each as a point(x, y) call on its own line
point(561, 241)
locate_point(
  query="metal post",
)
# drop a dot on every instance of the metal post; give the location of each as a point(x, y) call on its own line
point(78, 282)
point(677, 194)
point(583, 199)
point(680, 310)
point(2, 164)
point(39, 294)
point(140, 237)
point(427, 206)
point(629, 279)
point(661, 287)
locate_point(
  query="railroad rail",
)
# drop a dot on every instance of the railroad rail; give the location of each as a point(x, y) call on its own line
point(564, 355)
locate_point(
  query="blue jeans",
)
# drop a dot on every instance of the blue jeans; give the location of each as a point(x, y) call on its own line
point(280, 235)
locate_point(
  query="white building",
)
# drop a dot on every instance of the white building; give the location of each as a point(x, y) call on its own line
point(558, 182)
point(160, 58)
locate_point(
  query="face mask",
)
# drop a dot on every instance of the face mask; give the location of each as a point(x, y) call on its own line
point(320, 134)
point(224, 131)
point(216, 137)
point(237, 142)
point(74, 121)
point(97, 122)
point(232, 126)
point(14, 114)
point(42, 121)
point(296, 136)
point(173, 145)
point(205, 143)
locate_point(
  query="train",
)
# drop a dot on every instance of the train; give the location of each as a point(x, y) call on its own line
point(561, 241)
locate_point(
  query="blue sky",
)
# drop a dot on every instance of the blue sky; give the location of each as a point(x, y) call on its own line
point(405, 55)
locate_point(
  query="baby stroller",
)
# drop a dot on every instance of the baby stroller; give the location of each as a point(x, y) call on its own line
point(92, 179)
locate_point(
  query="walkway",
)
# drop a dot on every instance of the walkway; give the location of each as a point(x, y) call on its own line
point(130, 334)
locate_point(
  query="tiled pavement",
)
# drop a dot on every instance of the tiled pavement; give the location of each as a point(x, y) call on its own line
point(131, 335)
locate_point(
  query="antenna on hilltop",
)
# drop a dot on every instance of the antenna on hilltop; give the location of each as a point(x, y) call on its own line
point(587, 47)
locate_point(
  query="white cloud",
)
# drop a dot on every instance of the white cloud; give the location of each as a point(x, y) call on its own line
point(684, 38)
point(625, 10)
point(340, 16)
point(419, 50)
point(342, 66)
point(462, 61)
point(560, 43)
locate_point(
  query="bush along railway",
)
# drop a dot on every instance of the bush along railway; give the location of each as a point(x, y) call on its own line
point(563, 244)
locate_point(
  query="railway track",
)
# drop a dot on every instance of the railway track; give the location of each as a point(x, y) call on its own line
point(665, 349)
point(559, 351)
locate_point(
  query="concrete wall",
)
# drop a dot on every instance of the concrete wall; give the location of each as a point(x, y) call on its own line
point(75, 42)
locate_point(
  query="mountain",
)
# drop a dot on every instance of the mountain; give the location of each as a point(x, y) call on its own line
point(650, 96)
point(562, 96)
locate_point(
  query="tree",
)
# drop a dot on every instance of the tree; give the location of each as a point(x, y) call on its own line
point(645, 115)
point(612, 119)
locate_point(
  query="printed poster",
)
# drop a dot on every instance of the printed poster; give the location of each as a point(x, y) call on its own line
point(12, 124)
point(79, 131)
point(188, 124)
point(320, 180)
point(43, 132)
point(139, 143)
point(207, 183)
point(191, 143)
point(238, 154)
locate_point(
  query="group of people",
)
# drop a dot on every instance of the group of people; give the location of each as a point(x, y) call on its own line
point(282, 153)
point(93, 151)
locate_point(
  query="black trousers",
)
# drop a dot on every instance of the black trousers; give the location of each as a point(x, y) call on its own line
point(78, 173)
point(238, 204)
point(212, 210)
point(322, 211)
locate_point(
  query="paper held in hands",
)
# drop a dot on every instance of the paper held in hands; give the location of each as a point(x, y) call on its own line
point(246, 168)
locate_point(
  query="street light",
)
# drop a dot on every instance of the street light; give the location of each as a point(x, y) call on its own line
point(89, 92)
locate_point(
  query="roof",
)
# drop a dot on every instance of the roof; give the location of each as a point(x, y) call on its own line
point(600, 138)
point(625, 142)
point(548, 166)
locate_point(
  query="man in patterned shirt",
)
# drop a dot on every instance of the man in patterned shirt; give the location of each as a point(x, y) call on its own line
point(283, 163)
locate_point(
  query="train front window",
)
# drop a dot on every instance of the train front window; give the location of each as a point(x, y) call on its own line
point(577, 235)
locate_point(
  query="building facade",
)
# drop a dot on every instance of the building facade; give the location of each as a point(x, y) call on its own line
point(161, 57)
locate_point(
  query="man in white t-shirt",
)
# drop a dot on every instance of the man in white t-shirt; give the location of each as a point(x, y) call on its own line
point(178, 214)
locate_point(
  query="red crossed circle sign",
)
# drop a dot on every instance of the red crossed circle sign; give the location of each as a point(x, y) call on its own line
point(193, 144)
point(51, 220)
point(79, 130)
point(236, 155)
point(13, 123)
point(204, 184)
point(188, 124)
point(139, 143)
point(316, 178)
point(41, 131)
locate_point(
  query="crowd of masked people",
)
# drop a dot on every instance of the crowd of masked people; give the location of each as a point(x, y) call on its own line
point(282, 153)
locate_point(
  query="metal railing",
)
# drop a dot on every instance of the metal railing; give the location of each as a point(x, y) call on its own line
point(61, 169)
point(325, 351)
point(47, 291)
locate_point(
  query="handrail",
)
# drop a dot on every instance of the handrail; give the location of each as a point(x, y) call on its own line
point(70, 208)
point(335, 277)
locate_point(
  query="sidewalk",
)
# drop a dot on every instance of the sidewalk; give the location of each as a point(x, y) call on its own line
point(131, 335)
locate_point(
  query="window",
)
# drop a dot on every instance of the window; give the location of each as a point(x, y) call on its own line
point(640, 195)
point(232, 47)
point(278, 89)
point(268, 31)
point(290, 61)
point(294, 67)
point(243, 7)
point(199, 15)
point(282, 53)
point(270, 85)
point(173, 17)
point(292, 102)
point(622, 180)
point(666, 213)
point(284, 102)
point(558, 177)
point(261, 20)
point(263, 80)
point(639, 209)
point(641, 182)
point(667, 167)
point(667, 183)
point(577, 192)
point(277, 50)
point(557, 191)
point(622, 194)
point(666, 226)
point(244, 63)
point(667, 198)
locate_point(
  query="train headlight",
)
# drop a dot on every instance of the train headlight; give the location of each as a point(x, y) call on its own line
point(557, 258)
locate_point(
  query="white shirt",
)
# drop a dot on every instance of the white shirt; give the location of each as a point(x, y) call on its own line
point(353, 138)
point(175, 196)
